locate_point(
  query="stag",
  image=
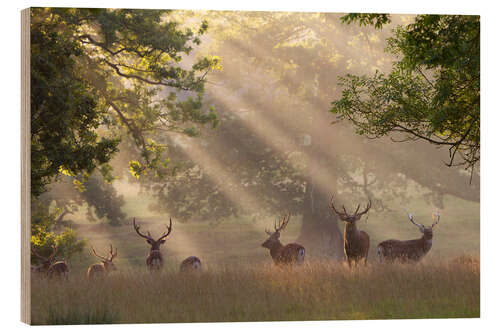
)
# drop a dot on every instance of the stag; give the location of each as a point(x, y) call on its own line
point(49, 267)
point(356, 242)
point(154, 261)
point(292, 253)
point(409, 250)
point(105, 266)
point(191, 264)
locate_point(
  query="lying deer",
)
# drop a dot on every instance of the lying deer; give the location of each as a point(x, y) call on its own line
point(154, 261)
point(191, 264)
point(356, 242)
point(408, 250)
point(292, 253)
point(105, 266)
point(50, 268)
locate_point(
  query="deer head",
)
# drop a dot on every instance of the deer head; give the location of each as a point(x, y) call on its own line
point(274, 237)
point(45, 261)
point(155, 244)
point(107, 262)
point(427, 231)
point(344, 216)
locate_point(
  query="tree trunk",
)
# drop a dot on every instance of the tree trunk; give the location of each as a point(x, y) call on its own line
point(320, 233)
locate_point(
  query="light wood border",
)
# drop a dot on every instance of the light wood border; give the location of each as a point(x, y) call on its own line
point(25, 168)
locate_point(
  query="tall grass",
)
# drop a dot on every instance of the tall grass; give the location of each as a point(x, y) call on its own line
point(314, 291)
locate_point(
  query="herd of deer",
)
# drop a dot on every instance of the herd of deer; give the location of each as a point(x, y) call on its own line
point(356, 246)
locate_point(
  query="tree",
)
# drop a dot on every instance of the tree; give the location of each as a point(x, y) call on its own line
point(103, 69)
point(432, 92)
point(99, 195)
point(98, 75)
point(274, 151)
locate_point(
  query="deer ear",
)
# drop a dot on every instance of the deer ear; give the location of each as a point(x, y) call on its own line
point(162, 241)
point(149, 241)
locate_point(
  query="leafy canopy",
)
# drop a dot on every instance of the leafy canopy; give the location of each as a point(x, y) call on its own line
point(432, 92)
point(99, 76)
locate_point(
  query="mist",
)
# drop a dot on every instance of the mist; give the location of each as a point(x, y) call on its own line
point(278, 149)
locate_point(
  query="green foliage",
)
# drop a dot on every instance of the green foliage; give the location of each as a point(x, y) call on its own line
point(96, 191)
point(98, 74)
point(64, 111)
point(44, 235)
point(377, 20)
point(103, 201)
point(432, 92)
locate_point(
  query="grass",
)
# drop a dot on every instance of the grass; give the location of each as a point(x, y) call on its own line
point(315, 291)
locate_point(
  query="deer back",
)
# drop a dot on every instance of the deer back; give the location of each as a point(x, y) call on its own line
point(96, 270)
point(190, 264)
point(409, 250)
point(154, 260)
point(58, 269)
point(292, 253)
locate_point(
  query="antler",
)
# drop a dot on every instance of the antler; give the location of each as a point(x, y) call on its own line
point(341, 215)
point(345, 215)
point(98, 256)
point(136, 227)
point(437, 220)
point(412, 219)
point(36, 253)
point(113, 255)
point(283, 223)
point(49, 258)
point(368, 206)
point(169, 229)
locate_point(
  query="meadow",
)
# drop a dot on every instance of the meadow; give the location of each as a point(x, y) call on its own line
point(240, 283)
point(315, 291)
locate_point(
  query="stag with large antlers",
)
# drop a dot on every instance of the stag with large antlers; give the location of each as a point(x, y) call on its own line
point(409, 250)
point(105, 266)
point(49, 267)
point(154, 261)
point(292, 253)
point(356, 242)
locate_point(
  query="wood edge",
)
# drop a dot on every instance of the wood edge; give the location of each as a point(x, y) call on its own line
point(25, 168)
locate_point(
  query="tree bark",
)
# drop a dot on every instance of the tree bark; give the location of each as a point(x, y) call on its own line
point(320, 233)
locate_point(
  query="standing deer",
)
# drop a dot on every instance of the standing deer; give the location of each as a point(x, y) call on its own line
point(49, 267)
point(191, 264)
point(356, 242)
point(105, 266)
point(409, 250)
point(292, 253)
point(154, 261)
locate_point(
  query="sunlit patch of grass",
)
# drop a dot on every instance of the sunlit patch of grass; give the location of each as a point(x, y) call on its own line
point(316, 291)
